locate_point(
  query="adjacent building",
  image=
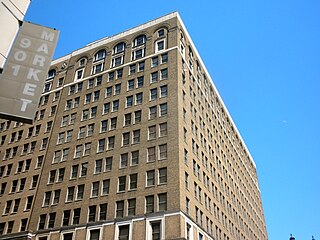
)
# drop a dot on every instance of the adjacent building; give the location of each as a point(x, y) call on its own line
point(131, 140)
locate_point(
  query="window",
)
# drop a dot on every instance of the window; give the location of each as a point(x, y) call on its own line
point(87, 149)
point(103, 126)
point(153, 112)
point(127, 119)
point(105, 186)
point(123, 160)
point(119, 209)
point(42, 221)
point(74, 171)
point(98, 166)
point(103, 211)
point(160, 45)
point(152, 132)
point(164, 74)
point(122, 184)
point(52, 218)
point(100, 55)
point(92, 213)
point(153, 94)
point(162, 201)
point(137, 116)
point(133, 179)
point(154, 77)
point(138, 50)
point(95, 189)
point(70, 194)
point(136, 136)
point(111, 142)
point(150, 204)
point(151, 154)
point(124, 232)
point(154, 62)
point(113, 123)
point(163, 129)
point(106, 108)
point(132, 69)
point(80, 192)
point(163, 151)
point(134, 157)
point(101, 145)
point(163, 109)
point(115, 105)
point(164, 58)
point(56, 197)
point(76, 216)
point(94, 234)
point(117, 89)
point(125, 139)
point(130, 85)
point(156, 230)
point(141, 66)
point(139, 98)
point(66, 217)
point(163, 91)
point(108, 166)
point(162, 174)
point(131, 207)
point(150, 178)
point(129, 101)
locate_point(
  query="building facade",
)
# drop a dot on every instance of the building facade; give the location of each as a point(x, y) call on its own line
point(131, 140)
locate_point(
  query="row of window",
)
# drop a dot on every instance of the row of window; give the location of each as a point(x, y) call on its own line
point(123, 208)
point(102, 188)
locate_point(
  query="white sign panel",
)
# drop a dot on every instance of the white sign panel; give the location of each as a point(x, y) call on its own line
point(25, 71)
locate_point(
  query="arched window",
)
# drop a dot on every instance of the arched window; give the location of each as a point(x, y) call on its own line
point(100, 55)
point(139, 47)
point(118, 54)
point(119, 48)
point(51, 74)
point(80, 71)
point(160, 43)
point(141, 39)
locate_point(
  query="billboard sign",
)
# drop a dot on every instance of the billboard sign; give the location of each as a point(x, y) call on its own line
point(25, 71)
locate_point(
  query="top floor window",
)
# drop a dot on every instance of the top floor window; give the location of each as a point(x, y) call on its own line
point(140, 40)
point(161, 33)
point(119, 48)
point(82, 62)
point(51, 73)
point(100, 55)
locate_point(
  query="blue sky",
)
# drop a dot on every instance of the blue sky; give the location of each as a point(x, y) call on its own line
point(264, 57)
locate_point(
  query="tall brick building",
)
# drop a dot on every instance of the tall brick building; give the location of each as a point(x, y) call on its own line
point(131, 141)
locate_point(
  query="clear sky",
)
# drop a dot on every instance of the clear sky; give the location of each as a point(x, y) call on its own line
point(264, 57)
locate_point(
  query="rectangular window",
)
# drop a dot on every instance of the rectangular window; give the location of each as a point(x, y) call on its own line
point(101, 145)
point(153, 94)
point(125, 139)
point(119, 209)
point(150, 204)
point(150, 178)
point(66, 217)
point(162, 201)
point(103, 211)
point(164, 74)
point(131, 207)
point(162, 174)
point(137, 116)
point(152, 132)
point(80, 192)
point(163, 151)
point(95, 189)
point(105, 186)
point(134, 158)
point(154, 77)
point(92, 213)
point(164, 91)
point(122, 184)
point(76, 218)
point(163, 130)
point(127, 119)
point(133, 179)
point(151, 154)
point(129, 101)
point(123, 160)
point(152, 112)
point(156, 230)
point(139, 98)
point(124, 232)
point(136, 136)
point(163, 109)
point(70, 194)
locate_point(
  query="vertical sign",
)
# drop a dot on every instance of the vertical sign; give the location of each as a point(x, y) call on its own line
point(25, 71)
